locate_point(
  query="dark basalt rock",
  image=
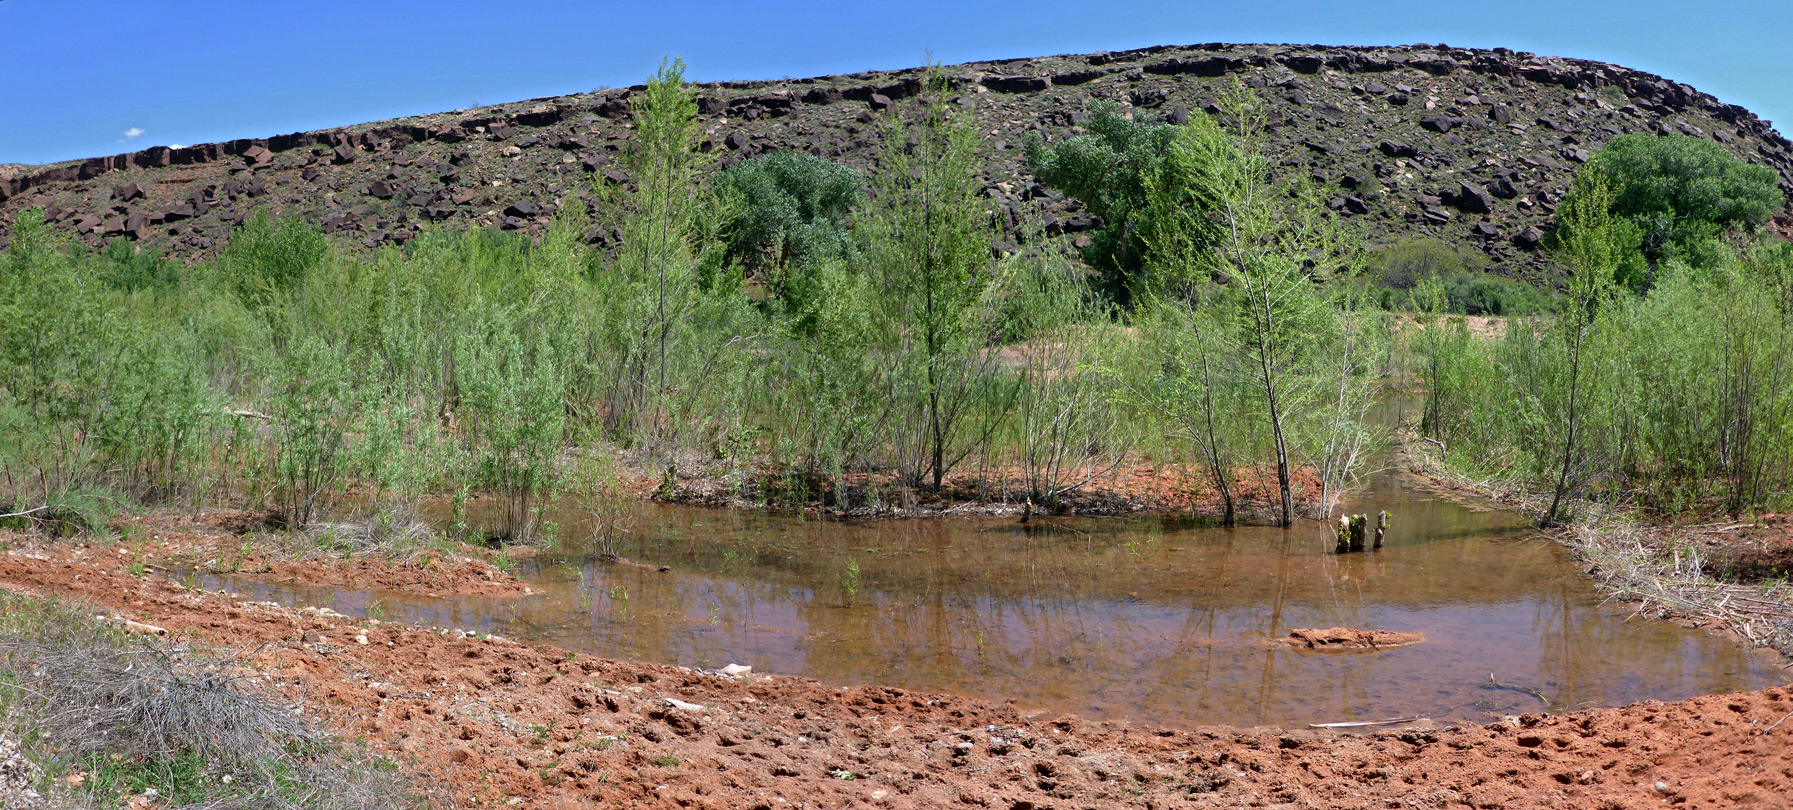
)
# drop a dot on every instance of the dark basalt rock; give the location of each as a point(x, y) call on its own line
point(1501, 133)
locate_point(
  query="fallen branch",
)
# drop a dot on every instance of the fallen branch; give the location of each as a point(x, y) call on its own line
point(27, 512)
point(1492, 683)
point(1392, 721)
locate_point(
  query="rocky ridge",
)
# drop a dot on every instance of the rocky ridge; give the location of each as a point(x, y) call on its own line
point(1474, 147)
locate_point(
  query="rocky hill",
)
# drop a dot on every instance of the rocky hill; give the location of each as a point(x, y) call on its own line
point(1474, 147)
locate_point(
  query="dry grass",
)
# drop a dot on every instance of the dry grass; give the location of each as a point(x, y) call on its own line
point(1667, 578)
point(398, 533)
point(129, 713)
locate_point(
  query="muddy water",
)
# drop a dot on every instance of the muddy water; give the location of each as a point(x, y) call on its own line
point(1156, 620)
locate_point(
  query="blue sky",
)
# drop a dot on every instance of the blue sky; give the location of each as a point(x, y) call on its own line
point(80, 79)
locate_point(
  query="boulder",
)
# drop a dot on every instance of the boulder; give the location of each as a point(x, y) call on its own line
point(1396, 149)
point(1439, 123)
point(127, 193)
point(1472, 199)
point(1529, 238)
point(1018, 84)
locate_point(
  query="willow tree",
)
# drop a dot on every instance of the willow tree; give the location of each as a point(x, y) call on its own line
point(1568, 397)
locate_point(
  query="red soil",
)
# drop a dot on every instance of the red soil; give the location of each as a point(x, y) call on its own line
point(500, 724)
point(235, 542)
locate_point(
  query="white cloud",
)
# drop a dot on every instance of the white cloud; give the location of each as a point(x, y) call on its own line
point(133, 132)
point(177, 146)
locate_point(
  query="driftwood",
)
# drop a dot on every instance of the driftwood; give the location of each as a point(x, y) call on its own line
point(140, 627)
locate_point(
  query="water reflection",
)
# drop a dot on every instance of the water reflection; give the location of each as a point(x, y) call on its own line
point(1153, 619)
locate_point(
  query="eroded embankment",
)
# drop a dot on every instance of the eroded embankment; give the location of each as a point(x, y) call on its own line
point(513, 725)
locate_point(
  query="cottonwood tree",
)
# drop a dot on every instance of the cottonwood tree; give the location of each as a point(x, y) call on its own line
point(791, 216)
point(1110, 171)
point(1672, 196)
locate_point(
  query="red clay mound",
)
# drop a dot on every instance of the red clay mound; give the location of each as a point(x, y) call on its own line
point(1350, 640)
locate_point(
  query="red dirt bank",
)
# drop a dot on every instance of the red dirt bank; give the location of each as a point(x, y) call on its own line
point(507, 725)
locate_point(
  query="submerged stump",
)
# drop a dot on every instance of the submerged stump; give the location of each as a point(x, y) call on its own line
point(1354, 532)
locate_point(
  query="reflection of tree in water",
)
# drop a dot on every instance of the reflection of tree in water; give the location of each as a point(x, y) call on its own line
point(1145, 618)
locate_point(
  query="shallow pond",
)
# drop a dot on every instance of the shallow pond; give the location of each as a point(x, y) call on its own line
point(1153, 619)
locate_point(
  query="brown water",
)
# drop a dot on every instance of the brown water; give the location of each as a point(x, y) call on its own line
point(1156, 619)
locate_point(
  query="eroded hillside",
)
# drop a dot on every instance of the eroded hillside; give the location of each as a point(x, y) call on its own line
point(1471, 146)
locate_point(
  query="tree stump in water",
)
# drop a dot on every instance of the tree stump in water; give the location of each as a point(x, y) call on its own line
point(1354, 532)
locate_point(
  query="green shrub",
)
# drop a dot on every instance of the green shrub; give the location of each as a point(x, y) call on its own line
point(1409, 273)
point(792, 214)
point(266, 258)
point(1674, 195)
point(1108, 170)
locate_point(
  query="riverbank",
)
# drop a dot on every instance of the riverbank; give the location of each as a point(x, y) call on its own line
point(1728, 577)
point(1134, 487)
point(513, 725)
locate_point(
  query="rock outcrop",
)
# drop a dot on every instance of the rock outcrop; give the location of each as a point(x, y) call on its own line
point(1475, 147)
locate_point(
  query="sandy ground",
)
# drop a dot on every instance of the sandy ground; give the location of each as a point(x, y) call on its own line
point(508, 725)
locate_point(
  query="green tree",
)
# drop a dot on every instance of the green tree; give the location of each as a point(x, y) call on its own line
point(657, 293)
point(1271, 245)
point(1569, 388)
point(928, 244)
point(1109, 171)
point(1673, 194)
